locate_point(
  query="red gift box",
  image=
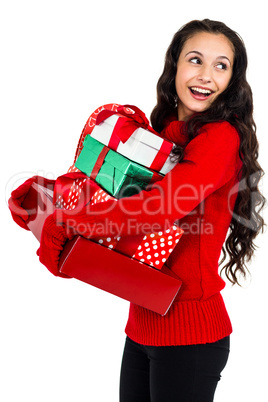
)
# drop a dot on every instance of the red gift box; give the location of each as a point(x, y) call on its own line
point(119, 275)
point(155, 248)
point(104, 268)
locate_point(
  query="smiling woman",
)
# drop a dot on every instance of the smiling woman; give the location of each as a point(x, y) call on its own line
point(205, 106)
point(204, 70)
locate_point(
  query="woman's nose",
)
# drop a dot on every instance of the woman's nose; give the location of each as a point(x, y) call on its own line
point(205, 74)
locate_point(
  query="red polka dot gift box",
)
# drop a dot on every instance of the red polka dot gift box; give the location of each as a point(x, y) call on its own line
point(155, 248)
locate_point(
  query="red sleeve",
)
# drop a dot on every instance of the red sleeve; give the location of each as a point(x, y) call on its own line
point(210, 160)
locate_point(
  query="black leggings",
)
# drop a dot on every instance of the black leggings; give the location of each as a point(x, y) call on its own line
point(172, 373)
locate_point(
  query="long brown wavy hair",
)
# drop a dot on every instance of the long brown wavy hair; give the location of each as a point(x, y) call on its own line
point(234, 105)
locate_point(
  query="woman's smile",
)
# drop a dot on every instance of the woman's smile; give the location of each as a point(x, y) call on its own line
point(200, 93)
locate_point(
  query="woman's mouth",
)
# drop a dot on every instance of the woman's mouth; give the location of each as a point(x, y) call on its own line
point(200, 93)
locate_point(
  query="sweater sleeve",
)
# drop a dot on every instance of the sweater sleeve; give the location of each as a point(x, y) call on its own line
point(210, 160)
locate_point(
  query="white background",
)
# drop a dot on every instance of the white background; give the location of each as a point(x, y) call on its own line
point(62, 340)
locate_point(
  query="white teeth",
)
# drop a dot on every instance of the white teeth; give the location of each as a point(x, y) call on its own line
point(202, 91)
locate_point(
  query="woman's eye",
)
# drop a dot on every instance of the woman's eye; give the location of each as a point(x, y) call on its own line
point(221, 66)
point(195, 60)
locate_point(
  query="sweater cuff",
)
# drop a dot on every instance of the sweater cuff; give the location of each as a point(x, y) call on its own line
point(53, 228)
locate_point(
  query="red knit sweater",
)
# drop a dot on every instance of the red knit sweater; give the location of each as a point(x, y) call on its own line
point(200, 192)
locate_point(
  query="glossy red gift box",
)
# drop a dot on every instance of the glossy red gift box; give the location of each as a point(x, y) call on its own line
point(105, 268)
point(120, 275)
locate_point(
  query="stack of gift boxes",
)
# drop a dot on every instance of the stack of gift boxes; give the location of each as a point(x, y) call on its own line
point(118, 155)
point(123, 155)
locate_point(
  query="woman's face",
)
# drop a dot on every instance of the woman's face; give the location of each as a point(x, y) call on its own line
point(204, 70)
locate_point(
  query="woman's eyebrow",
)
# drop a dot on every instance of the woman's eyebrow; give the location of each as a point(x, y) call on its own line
point(194, 51)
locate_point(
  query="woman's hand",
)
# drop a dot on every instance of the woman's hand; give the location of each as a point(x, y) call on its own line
point(19, 214)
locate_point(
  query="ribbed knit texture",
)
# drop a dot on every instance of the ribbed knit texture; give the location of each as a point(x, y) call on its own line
point(187, 323)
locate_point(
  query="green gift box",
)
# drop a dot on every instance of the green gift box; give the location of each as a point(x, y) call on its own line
point(117, 174)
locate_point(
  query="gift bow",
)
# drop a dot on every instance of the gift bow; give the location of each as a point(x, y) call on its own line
point(124, 128)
